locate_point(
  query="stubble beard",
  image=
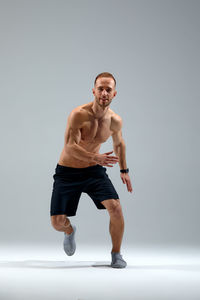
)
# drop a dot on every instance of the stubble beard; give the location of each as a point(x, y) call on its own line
point(103, 105)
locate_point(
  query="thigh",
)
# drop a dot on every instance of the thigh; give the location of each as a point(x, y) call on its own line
point(64, 201)
point(100, 188)
point(66, 192)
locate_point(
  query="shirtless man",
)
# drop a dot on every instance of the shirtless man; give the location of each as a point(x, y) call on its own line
point(81, 167)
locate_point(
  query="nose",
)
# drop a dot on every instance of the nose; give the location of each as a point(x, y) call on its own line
point(104, 93)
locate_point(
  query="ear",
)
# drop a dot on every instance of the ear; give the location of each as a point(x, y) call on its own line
point(115, 93)
point(93, 91)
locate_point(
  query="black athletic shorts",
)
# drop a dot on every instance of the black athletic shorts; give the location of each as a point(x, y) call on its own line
point(69, 183)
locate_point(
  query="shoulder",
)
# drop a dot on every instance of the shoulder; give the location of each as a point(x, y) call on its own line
point(116, 121)
point(77, 116)
point(78, 112)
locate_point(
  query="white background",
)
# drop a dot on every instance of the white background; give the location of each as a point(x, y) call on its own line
point(50, 54)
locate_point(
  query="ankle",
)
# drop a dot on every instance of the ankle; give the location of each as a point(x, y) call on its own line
point(69, 229)
point(115, 250)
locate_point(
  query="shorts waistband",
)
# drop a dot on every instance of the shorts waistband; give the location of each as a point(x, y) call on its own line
point(66, 168)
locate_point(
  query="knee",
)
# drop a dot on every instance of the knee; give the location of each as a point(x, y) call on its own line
point(115, 209)
point(58, 221)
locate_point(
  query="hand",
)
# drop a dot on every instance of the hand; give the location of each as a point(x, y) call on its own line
point(126, 180)
point(105, 159)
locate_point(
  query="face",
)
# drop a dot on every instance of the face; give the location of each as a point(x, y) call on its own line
point(104, 91)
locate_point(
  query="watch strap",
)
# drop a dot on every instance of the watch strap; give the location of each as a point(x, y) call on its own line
point(124, 170)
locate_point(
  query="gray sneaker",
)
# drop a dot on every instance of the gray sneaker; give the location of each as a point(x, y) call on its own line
point(117, 261)
point(69, 242)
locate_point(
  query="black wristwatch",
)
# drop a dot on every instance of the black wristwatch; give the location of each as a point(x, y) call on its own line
point(124, 170)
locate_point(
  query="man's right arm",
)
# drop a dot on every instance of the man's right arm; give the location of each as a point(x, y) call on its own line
point(73, 137)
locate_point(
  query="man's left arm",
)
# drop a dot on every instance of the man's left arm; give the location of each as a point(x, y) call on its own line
point(120, 151)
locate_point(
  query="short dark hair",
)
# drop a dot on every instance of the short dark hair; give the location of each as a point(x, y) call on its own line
point(105, 74)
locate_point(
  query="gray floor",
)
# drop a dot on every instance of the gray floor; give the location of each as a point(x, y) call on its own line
point(45, 272)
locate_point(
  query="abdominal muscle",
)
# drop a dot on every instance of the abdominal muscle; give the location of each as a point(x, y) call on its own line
point(70, 161)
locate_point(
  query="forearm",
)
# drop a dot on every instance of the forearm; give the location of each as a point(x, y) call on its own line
point(80, 153)
point(120, 151)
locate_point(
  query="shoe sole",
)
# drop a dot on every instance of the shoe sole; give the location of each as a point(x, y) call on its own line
point(118, 266)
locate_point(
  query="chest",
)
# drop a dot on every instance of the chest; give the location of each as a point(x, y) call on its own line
point(96, 130)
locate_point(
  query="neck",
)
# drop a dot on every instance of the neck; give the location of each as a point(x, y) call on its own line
point(98, 111)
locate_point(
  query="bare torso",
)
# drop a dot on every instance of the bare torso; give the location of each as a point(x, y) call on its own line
point(94, 132)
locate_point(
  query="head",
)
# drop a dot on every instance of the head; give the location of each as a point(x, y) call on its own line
point(104, 89)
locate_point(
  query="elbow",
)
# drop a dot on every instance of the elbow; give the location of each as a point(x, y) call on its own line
point(119, 148)
point(122, 144)
point(119, 144)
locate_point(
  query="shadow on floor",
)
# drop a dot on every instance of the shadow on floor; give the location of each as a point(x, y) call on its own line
point(42, 264)
point(47, 264)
